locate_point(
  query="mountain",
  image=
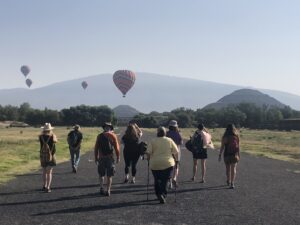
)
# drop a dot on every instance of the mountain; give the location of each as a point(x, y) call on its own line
point(151, 92)
point(125, 111)
point(247, 96)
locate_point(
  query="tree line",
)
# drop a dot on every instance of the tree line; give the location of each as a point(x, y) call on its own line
point(83, 115)
point(243, 115)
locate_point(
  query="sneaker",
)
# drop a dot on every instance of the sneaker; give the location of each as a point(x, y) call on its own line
point(48, 190)
point(228, 183)
point(193, 179)
point(202, 181)
point(126, 180)
point(102, 192)
point(162, 199)
point(107, 193)
point(44, 188)
point(132, 181)
point(232, 186)
point(74, 170)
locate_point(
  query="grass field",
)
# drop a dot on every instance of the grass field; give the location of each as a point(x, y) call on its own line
point(19, 147)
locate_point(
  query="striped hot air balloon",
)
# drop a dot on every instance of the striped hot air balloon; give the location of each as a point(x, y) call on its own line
point(124, 80)
point(84, 84)
point(25, 70)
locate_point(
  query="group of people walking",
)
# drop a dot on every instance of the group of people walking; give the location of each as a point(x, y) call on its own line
point(163, 154)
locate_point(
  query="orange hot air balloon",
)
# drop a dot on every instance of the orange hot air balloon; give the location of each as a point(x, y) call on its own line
point(28, 82)
point(25, 70)
point(124, 80)
point(84, 84)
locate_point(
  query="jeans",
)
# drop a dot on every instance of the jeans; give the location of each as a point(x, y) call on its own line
point(161, 178)
point(75, 156)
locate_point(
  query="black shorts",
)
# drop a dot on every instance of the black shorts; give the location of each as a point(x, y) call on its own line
point(200, 154)
point(106, 166)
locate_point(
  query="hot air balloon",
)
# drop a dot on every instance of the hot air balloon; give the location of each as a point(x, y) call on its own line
point(124, 80)
point(84, 84)
point(25, 70)
point(28, 82)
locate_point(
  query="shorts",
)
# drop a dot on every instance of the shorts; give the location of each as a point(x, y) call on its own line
point(106, 166)
point(200, 155)
point(231, 159)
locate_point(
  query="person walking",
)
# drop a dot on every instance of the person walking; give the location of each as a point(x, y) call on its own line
point(74, 140)
point(231, 147)
point(131, 151)
point(174, 134)
point(162, 153)
point(47, 141)
point(106, 142)
point(199, 140)
point(137, 128)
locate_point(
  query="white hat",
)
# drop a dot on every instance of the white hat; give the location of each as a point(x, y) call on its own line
point(47, 127)
point(173, 123)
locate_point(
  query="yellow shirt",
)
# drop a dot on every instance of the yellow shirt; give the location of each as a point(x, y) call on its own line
point(160, 150)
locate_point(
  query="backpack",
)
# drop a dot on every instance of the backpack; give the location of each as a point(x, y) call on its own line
point(45, 152)
point(233, 146)
point(72, 139)
point(106, 147)
point(197, 143)
point(142, 148)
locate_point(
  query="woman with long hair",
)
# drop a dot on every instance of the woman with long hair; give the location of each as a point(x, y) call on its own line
point(47, 155)
point(231, 147)
point(131, 151)
point(200, 151)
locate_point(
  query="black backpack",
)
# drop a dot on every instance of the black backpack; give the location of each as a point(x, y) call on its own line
point(72, 139)
point(106, 147)
point(197, 143)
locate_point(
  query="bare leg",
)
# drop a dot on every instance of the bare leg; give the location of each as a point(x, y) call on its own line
point(101, 180)
point(195, 169)
point(203, 169)
point(44, 177)
point(109, 182)
point(49, 177)
point(233, 172)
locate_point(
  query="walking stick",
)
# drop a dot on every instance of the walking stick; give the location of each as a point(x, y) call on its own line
point(147, 179)
point(176, 165)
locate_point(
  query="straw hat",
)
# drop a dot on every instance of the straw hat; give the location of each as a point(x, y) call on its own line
point(173, 123)
point(47, 127)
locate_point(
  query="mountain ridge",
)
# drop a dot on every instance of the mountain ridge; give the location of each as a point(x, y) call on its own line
point(151, 92)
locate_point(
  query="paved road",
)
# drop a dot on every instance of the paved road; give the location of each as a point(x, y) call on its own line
point(267, 192)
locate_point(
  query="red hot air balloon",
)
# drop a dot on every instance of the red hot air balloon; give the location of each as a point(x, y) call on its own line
point(25, 70)
point(124, 80)
point(28, 82)
point(84, 84)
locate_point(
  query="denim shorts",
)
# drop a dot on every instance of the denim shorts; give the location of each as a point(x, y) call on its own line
point(106, 166)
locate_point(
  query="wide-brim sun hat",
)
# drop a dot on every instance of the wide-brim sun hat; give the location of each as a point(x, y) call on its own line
point(108, 124)
point(47, 127)
point(173, 123)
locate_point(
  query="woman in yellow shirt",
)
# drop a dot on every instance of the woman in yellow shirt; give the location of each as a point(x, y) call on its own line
point(163, 155)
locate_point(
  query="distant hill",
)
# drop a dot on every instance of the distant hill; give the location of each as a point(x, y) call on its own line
point(246, 96)
point(122, 111)
point(151, 92)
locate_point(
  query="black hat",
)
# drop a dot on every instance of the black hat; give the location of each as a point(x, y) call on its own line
point(108, 124)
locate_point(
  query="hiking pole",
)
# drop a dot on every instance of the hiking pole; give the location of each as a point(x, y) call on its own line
point(176, 165)
point(147, 179)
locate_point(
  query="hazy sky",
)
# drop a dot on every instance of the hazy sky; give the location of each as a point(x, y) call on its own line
point(253, 43)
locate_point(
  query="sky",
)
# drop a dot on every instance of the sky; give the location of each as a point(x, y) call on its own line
point(253, 43)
